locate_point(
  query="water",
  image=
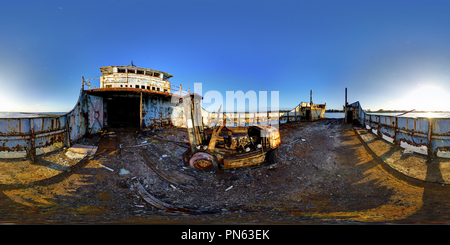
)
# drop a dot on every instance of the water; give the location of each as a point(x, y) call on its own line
point(334, 115)
point(327, 114)
point(415, 114)
point(30, 114)
point(411, 114)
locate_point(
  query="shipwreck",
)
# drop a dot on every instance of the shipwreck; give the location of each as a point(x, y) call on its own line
point(132, 98)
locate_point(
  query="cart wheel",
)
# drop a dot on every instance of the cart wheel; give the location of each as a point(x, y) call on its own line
point(204, 161)
point(272, 156)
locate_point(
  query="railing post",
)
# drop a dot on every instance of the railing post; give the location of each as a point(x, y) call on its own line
point(430, 129)
point(140, 112)
point(396, 131)
point(32, 146)
point(67, 134)
point(379, 126)
point(82, 82)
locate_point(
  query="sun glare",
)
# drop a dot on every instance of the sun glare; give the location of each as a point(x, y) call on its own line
point(425, 98)
point(6, 105)
point(433, 115)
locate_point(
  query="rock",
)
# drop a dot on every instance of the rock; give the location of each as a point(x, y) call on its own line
point(407, 151)
point(123, 171)
point(83, 149)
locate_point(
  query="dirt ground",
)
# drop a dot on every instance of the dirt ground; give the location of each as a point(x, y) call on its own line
point(324, 174)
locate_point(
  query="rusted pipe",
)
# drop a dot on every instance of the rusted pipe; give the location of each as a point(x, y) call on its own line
point(214, 136)
point(406, 112)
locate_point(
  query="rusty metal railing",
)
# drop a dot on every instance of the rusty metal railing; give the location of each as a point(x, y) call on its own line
point(23, 137)
point(427, 136)
point(179, 90)
point(28, 137)
point(243, 119)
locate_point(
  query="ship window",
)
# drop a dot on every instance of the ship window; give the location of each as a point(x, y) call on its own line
point(156, 74)
point(121, 70)
point(109, 86)
point(165, 90)
point(153, 88)
point(142, 86)
point(137, 86)
point(131, 71)
point(148, 87)
point(139, 72)
point(121, 85)
point(157, 89)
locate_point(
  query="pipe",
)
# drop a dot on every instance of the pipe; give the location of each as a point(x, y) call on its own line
point(405, 112)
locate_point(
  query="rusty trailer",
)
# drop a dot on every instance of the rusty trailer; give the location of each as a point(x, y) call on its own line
point(222, 146)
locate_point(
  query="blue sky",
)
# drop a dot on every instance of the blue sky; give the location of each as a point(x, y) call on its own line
point(389, 54)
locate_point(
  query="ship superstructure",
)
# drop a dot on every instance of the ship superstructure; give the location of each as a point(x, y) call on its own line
point(135, 77)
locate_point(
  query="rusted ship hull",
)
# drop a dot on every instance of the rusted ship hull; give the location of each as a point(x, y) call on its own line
point(131, 97)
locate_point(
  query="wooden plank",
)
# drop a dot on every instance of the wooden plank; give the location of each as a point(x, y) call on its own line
point(83, 149)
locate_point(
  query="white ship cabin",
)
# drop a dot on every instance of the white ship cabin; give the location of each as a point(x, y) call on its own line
point(134, 77)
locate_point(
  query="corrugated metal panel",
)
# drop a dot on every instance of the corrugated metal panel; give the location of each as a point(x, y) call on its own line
point(441, 126)
point(441, 142)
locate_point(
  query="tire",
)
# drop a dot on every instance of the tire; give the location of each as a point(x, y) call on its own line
point(204, 161)
point(272, 156)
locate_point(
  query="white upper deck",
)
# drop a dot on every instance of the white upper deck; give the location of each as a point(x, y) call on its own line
point(134, 77)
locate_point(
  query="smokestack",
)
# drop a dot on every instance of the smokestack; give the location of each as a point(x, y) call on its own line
point(345, 106)
point(310, 108)
point(346, 97)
